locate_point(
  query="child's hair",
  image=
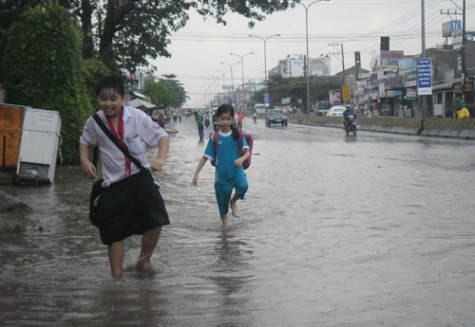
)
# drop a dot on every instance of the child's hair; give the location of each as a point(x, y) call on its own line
point(228, 109)
point(110, 82)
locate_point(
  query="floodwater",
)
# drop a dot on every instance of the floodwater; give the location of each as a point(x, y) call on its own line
point(376, 230)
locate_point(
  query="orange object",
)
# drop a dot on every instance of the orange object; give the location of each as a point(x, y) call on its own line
point(11, 120)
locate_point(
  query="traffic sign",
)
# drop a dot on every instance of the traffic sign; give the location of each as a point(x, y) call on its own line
point(346, 92)
point(424, 76)
point(266, 99)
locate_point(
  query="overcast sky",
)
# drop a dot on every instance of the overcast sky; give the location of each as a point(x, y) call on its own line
point(198, 49)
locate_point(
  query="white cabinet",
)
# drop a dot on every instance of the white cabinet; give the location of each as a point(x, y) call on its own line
point(39, 145)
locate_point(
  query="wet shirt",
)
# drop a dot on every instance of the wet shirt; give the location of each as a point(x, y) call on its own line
point(199, 119)
point(139, 129)
point(227, 153)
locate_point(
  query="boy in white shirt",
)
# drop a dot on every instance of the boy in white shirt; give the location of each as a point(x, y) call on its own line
point(130, 202)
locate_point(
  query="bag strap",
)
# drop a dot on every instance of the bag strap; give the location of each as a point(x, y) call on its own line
point(240, 142)
point(114, 140)
point(215, 143)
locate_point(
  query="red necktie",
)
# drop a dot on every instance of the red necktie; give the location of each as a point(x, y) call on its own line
point(119, 134)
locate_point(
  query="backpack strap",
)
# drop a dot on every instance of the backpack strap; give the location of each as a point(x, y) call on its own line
point(240, 142)
point(215, 143)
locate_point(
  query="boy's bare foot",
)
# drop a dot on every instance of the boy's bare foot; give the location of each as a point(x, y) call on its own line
point(144, 267)
point(234, 209)
point(224, 220)
point(143, 264)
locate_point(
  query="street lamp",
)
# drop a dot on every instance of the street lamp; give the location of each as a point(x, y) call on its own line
point(264, 39)
point(232, 78)
point(242, 73)
point(242, 64)
point(222, 84)
point(307, 71)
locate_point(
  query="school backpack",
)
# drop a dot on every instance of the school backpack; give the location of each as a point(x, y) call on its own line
point(250, 143)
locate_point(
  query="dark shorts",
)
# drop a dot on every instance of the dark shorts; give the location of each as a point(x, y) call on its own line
point(131, 206)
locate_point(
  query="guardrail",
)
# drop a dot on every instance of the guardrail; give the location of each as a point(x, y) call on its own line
point(441, 127)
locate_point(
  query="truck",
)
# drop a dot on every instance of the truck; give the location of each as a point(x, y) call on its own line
point(260, 108)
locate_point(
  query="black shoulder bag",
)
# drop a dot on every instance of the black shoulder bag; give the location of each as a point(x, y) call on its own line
point(97, 186)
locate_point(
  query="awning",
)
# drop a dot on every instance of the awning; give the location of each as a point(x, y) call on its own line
point(449, 85)
point(142, 104)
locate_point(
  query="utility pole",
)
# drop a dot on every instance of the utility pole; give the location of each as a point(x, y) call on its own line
point(464, 42)
point(343, 63)
point(464, 51)
point(343, 79)
point(423, 98)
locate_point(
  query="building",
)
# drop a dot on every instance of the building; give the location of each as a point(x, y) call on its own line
point(294, 66)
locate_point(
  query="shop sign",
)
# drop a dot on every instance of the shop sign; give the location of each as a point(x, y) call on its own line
point(411, 94)
point(468, 87)
point(457, 87)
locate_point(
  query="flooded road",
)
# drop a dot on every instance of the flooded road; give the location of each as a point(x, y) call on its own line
point(376, 230)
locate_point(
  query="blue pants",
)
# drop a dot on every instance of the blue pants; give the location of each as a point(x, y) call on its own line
point(224, 191)
point(201, 132)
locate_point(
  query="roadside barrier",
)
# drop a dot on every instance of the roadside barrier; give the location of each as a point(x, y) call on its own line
point(449, 127)
point(441, 127)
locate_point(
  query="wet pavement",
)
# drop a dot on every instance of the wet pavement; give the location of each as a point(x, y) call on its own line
point(376, 230)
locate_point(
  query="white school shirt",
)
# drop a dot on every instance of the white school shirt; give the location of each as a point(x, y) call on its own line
point(139, 129)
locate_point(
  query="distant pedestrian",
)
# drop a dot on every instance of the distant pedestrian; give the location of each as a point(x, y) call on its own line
point(129, 202)
point(199, 123)
point(229, 172)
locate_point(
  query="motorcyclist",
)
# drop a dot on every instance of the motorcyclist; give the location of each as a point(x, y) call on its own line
point(348, 116)
point(348, 112)
point(240, 119)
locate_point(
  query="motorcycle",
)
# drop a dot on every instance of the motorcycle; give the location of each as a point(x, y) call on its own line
point(207, 122)
point(349, 124)
point(239, 125)
point(254, 117)
point(215, 124)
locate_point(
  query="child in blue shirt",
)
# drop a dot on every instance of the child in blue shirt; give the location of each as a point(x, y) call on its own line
point(229, 172)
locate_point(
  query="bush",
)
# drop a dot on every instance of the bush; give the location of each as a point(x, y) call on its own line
point(42, 69)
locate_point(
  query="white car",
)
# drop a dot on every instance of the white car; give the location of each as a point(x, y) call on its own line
point(336, 111)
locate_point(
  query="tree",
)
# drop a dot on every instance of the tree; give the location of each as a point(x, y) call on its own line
point(133, 31)
point(167, 92)
point(126, 33)
point(10, 11)
point(42, 68)
point(296, 88)
point(177, 91)
point(159, 94)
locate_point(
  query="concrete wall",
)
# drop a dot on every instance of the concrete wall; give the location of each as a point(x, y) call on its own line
point(441, 127)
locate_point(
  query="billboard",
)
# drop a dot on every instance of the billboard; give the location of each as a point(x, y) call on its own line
point(391, 58)
point(335, 96)
point(448, 28)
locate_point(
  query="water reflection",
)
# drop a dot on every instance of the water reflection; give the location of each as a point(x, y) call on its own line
point(131, 302)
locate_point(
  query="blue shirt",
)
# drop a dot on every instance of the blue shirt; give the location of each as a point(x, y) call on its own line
point(227, 153)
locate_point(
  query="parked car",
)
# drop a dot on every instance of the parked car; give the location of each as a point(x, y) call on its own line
point(275, 117)
point(322, 109)
point(336, 111)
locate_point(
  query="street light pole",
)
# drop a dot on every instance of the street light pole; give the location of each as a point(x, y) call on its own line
point(232, 78)
point(222, 84)
point(242, 64)
point(307, 70)
point(264, 39)
point(242, 70)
